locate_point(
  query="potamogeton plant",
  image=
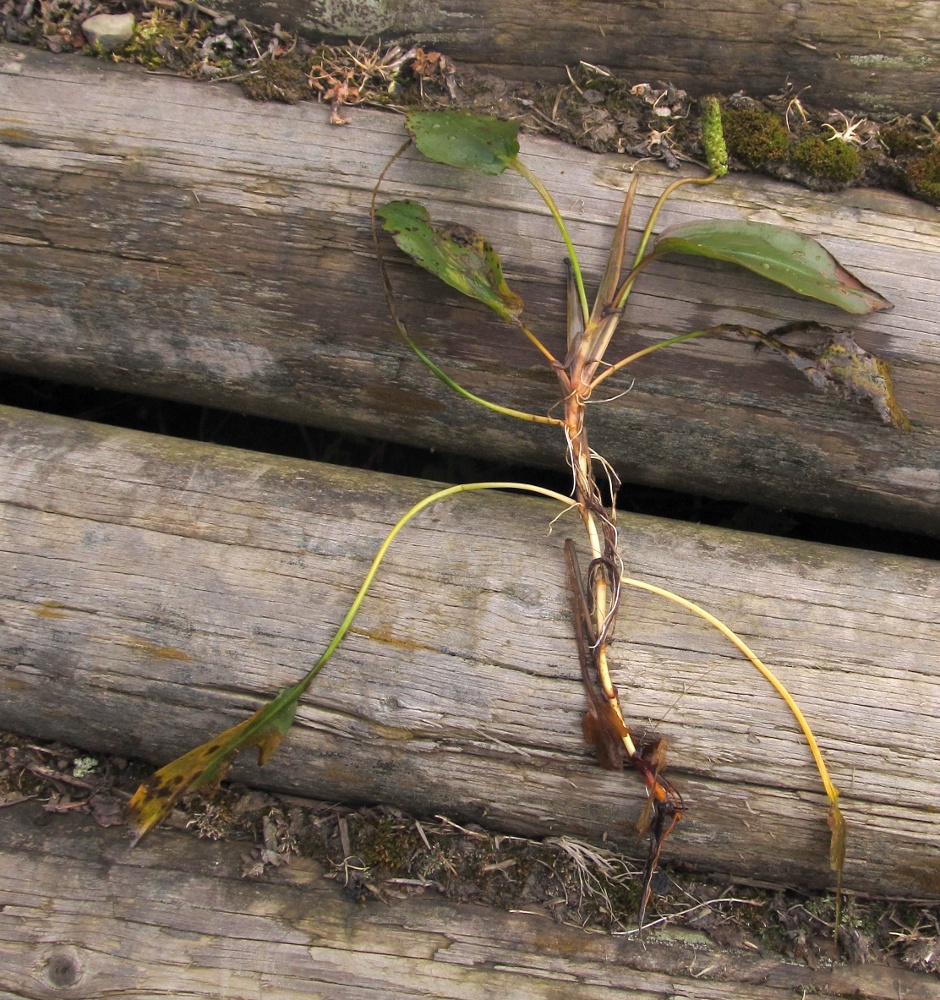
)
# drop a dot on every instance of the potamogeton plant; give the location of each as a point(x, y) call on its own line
point(467, 262)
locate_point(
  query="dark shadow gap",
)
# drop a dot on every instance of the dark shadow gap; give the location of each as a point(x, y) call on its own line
point(239, 430)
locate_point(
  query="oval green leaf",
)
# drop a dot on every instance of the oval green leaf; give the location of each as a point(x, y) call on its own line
point(459, 139)
point(454, 253)
point(798, 262)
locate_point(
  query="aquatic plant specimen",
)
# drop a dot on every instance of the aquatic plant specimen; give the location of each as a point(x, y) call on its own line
point(467, 261)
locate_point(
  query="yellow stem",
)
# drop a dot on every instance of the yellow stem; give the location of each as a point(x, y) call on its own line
point(537, 343)
point(831, 791)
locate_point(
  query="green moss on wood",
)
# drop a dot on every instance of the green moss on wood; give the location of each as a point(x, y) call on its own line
point(283, 80)
point(922, 175)
point(754, 136)
point(901, 138)
point(829, 160)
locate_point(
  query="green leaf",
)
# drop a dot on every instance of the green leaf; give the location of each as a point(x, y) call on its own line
point(454, 253)
point(796, 261)
point(459, 139)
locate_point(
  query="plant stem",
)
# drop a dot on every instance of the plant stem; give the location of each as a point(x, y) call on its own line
point(623, 362)
point(660, 201)
point(639, 261)
point(831, 791)
point(712, 330)
point(535, 418)
point(549, 357)
point(836, 821)
point(603, 543)
point(522, 169)
point(450, 491)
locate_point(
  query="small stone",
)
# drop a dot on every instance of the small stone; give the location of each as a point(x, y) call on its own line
point(109, 31)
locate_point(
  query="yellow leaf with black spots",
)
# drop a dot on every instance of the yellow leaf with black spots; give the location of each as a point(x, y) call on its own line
point(208, 764)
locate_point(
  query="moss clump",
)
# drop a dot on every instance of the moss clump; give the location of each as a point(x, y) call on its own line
point(922, 175)
point(829, 160)
point(900, 140)
point(903, 136)
point(388, 846)
point(754, 136)
point(165, 42)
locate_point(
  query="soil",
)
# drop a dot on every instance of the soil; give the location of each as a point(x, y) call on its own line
point(380, 853)
point(780, 134)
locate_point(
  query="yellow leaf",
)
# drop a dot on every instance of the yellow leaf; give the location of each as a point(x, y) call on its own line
point(208, 764)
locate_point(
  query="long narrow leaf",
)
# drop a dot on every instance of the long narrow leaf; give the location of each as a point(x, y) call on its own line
point(798, 262)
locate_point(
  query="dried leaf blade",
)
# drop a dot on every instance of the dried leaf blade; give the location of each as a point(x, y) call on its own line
point(207, 765)
point(838, 364)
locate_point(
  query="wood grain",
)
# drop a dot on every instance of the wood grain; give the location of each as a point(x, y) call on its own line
point(175, 239)
point(882, 56)
point(84, 918)
point(156, 591)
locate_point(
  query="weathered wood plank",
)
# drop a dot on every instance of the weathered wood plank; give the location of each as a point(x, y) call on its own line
point(154, 591)
point(880, 56)
point(179, 240)
point(84, 918)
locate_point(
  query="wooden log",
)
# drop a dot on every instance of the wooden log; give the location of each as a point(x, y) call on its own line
point(84, 918)
point(155, 592)
point(882, 56)
point(178, 240)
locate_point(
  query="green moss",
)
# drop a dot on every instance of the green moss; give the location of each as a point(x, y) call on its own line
point(754, 136)
point(922, 175)
point(901, 138)
point(163, 41)
point(388, 846)
point(830, 160)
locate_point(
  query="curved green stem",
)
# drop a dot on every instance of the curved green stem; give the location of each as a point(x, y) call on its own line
point(506, 411)
point(207, 764)
point(623, 362)
point(449, 491)
point(522, 169)
point(639, 261)
point(660, 201)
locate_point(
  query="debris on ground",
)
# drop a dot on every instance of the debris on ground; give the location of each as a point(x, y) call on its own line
point(782, 135)
point(378, 853)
